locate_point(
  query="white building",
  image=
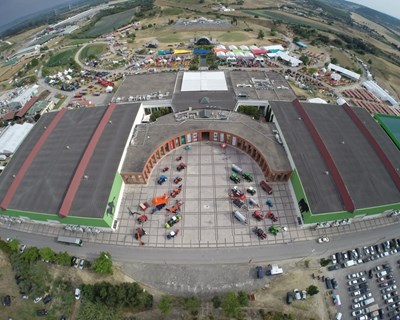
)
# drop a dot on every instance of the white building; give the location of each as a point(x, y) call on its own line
point(344, 72)
point(20, 100)
point(374, 88)
point(294, 62)
point(13, 136)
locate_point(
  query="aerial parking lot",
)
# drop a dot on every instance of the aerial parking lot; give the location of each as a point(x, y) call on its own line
point(207, 218)
point(368, 288)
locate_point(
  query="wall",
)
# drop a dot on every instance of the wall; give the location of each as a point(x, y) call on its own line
point(115, 198)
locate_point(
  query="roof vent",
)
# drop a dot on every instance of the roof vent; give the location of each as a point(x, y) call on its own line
point(85, 177)
point(327, 173)
point(67, 147)
point(13, 175)
point(299, 118)
point(342, 142)
point(45, 127)
point(110, 121)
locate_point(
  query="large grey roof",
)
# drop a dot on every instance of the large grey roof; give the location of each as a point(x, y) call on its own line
point(148, 137)
point(44, 185)
point(364, 174)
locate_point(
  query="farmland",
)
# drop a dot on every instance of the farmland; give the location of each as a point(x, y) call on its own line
point(108, 24)
point(92, 50)
point(62, 58)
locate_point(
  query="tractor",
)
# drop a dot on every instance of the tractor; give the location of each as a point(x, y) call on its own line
point(275, 229)
point(235, 178)
point(271, 216)
point(139, 233)
point(176, 207)
point(260, 233)
point(179, 158)
point(177, 180)
point(247, 176)
point(258, 215)
point(176, 191)
point(181, 166)
point(142, 219)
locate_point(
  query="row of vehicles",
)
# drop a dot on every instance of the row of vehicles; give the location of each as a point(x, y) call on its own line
point(357, 256)
point(296, 295)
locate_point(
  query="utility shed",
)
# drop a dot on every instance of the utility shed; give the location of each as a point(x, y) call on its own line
point(13, 136)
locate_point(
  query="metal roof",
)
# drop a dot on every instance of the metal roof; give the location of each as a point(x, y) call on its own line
point(366, 178)
point(44, 184)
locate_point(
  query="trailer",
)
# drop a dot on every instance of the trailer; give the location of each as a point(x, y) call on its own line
point(237, 169)
point(70, 240)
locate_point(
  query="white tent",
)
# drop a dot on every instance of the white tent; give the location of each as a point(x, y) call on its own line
point(232, 47)
point(254, 48)
point(13, 136)
point(243, 47)
point(109, 89)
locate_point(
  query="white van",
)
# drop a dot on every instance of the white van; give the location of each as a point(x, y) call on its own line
point(240, 217)
point(339, 316)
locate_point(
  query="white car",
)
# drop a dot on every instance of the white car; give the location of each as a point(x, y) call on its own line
point(22, 249)
point(357, 313)
point(37, 299)
point(333, 258)
point(356, 293)
point(353, 275)
point(324, 239)
point(352, 282)
point(77, 293)
point(358, 299)
point(356, 306)
point(297, 295)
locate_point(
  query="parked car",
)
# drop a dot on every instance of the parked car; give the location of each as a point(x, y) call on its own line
point(323, 239)
point(6, 300)
point(81, 264)
point(41, 312)
point(260, 272)
point(297, 295)
point(356, 293)
point(333, 267)
point(289, 298)
point(22, 249)
point(37, 299)
point(47, 299)
point(304, 295)
point(77, 293)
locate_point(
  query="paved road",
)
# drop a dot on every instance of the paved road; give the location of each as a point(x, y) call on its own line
point(300, 249)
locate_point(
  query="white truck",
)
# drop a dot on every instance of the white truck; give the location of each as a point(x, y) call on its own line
point(274, 269)
point(350, 263)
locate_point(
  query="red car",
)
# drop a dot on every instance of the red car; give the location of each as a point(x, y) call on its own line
point(261, 234)
point(181, 166)
point(177, 180)
point(165, 169)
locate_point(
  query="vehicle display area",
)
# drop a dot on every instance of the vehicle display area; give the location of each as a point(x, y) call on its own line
point(368, 285)
point(207, 202)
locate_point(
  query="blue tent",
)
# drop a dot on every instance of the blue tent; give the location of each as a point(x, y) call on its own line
point(200, 51)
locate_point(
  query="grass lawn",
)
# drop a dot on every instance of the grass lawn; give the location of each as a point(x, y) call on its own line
point(233, 36)
point(62, 58)
point(76, 41)
point(109, 23)
point(95, 50)
point(59, 103)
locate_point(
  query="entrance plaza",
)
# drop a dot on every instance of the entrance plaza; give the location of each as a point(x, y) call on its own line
point(207, 219)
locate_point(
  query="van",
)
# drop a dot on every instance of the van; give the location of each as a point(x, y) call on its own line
point(339, 316)
point(265, 186)
point(240, 217)
point(289, 298)
point(381, 274)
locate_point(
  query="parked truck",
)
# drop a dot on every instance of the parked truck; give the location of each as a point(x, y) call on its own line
point(374, 307)
point(367, 302)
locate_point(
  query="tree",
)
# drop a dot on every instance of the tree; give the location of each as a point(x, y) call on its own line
point(312, 290)
point(62, 258)
point(261, 35)
point(192, 304)
point(14, 245)
point(47, 254)
point(216, 301)
point(296, 39)
point(304, 58)
point(334, 61)
point(243, 299)
point(165, 304)
point(30, 255)
point(370, 61)
point(103, 264)
point(230, 305)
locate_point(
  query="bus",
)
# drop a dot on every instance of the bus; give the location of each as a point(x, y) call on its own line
point(70, 240)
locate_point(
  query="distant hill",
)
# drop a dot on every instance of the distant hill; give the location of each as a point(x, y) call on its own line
point(370, 14)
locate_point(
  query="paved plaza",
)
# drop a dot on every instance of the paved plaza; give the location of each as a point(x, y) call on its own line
point(207, 210)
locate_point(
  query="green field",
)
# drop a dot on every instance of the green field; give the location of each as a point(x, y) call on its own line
point(285, 18)
point(62, 58)
point(109, 23)
point(233, 36)
point(172, 11)
point(92, 50)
